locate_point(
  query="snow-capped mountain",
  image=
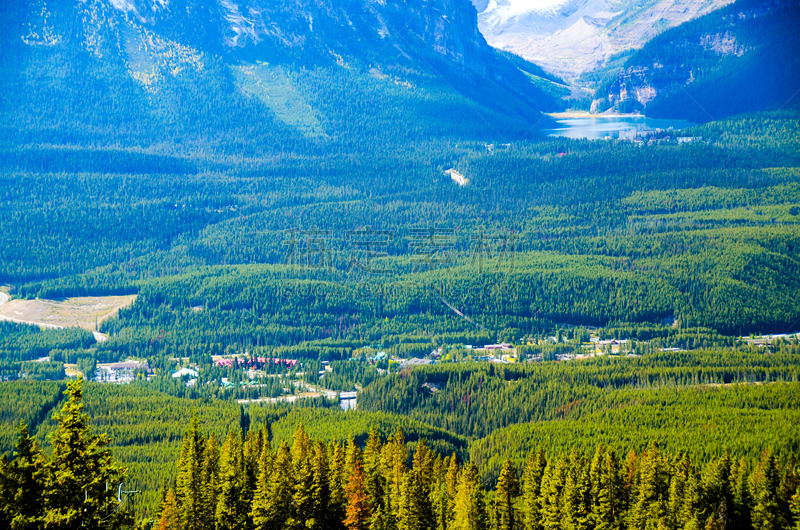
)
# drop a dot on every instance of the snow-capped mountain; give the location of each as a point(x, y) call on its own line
point(569, 37)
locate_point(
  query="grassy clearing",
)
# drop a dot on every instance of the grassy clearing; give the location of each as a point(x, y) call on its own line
point(83, 312)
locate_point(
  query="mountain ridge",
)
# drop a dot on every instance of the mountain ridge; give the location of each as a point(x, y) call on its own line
point(263, 52)
point(740, 58)
point(570, 37)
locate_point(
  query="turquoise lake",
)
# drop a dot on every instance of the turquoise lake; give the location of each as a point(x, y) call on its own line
point(597, 128)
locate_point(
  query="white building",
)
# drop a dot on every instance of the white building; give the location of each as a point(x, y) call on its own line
point(123, 372)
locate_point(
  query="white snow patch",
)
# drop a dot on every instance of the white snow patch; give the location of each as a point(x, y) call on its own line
point(239, 24)
point(124, 5)
point(505, 10)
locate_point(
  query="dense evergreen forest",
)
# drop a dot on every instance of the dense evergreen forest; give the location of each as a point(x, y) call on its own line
point(248, 481)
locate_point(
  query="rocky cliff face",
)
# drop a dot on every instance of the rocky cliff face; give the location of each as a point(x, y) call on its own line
point(569, 37)
point(300, 30)
point(156, 37)
point(740, 58)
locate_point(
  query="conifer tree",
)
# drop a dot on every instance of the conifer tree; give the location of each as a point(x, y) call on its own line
point(796, 508)
point(576, 494)
point(606, 503)
point(442, 507)
point(372, 451)
point(399, 457)
point(532, 486)
point(718, 497)
point(450, 489)
point(677, 492)
point(337, 485)
point(357, 515)
point(170, 516)
point(507, 491)
point(423, 461)
point(320, 490)
point(260, 504)
point(7, 491)
point(302, 501)
point(189, 479)
point(650, 505)
point(81, 476)
point(395, 463)
point(251, 454)
point(379, 520)
point(690, 514)
point(740, 516)
point(300, 443)
point(232, 506)
point(470, 503)
point(415, 510)
point(551, 493)
point(764, 487)
point(209, 482)
point(630, 479)
point(21, 483)
point(374, 477)
point(788, 485)
point(408, 509)
point(279, 498)
point(352, 455)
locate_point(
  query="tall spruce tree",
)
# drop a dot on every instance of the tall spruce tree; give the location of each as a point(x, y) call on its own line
point(764, 488)
point(532, 486)
point(170, 516)
point(551, 493)
point(470, 503)
point(358, 514)
point(21, 484)
point(742, 500)
point(190, 479)
point(606, 503)
point(302, 500)
point(788, 485)
point(650, 506)
point(80, 491)
point(260, 505)
point(232, 505)
point(336, 483)
point(576, 494)
point(508, 489)
point(300, 443)
point(209, 482)
point(278, 501)
point(717, 494)
point(320, 490)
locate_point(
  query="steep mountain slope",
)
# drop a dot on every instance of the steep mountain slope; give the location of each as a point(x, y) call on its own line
point(741, 58)
point(569, 37)
point(288, 72)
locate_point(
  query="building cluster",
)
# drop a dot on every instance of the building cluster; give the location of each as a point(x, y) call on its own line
point(253, 362)
point(122, 372)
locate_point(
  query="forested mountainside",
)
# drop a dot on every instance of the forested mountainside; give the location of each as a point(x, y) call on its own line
point(271, 76)
point(740, 58)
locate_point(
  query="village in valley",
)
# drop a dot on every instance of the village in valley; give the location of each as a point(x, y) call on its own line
point(257, 379)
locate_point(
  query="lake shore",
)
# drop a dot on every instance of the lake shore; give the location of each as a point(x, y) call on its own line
point(584, 114)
